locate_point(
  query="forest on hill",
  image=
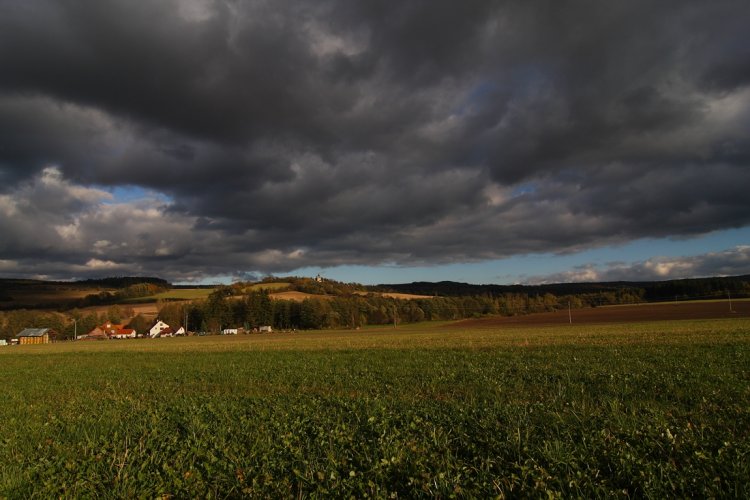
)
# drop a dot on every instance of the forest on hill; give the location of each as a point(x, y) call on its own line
point(647, 291)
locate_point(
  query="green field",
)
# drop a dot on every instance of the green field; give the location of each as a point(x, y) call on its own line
point(175, 294)
point(656, 409)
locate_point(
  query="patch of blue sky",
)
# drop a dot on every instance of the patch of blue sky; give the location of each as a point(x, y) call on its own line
point(126, 194)
point(476, 97)
point(649, 248)
point(525, 188)
point(632, 252)
point(520, 79)
point(224, 279)
point(520, 268)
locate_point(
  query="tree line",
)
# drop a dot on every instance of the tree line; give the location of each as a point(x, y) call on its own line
point(681, 289)
point(257, 308)
point(252, 309)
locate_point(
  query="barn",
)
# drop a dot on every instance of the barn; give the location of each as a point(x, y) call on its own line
point(37, 336)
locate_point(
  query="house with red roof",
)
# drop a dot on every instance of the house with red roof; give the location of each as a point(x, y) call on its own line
point(110, 330)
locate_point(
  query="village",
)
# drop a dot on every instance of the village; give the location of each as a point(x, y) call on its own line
point(114, 331)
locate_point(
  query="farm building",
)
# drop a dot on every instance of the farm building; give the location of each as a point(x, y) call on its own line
point(95, 334)
point(111, 330)
point(230, 331)
point(180, 331)
point(37, 336)
point(167, 332)
point(265, 329)
point(124, 333)
point(158, 328)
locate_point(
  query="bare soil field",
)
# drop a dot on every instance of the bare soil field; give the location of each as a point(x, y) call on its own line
point(405, 296)
point(395, 295)
point(267, 286)
point(621, 314)
point(298, 296)
point(144, 309)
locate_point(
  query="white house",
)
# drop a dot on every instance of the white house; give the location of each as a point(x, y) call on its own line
point(230, 331)
point(180, 331)
point(265, 329)
point(158, 328)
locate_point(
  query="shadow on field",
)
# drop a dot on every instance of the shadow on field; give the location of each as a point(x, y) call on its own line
point(621, 314)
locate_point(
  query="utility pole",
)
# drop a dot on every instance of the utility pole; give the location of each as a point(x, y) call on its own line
point(75, 329)
point(570, 315)
point(730, 301)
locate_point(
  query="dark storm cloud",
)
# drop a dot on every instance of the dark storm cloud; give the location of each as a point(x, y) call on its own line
point(288, 133)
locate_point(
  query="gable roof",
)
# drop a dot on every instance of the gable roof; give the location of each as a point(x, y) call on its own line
point(110, 325)
point(36, 332)
point(110, 328)
point(97, 333)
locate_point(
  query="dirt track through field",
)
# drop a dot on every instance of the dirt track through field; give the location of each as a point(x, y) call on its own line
point(621, 314)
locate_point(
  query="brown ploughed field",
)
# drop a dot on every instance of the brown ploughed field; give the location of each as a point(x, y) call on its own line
point(621, 314)
point(298, 296)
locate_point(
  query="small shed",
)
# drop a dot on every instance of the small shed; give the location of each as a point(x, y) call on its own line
point(265, 329)
point(37, 336)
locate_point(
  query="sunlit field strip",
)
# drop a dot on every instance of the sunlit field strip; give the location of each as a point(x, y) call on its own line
point(438, 335)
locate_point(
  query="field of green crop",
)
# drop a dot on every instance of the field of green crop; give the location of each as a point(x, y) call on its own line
point(656, 409)
point(175, 294)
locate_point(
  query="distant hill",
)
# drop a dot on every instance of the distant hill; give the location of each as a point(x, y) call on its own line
point(39, 294)
point(683, 289)
point(126, 281)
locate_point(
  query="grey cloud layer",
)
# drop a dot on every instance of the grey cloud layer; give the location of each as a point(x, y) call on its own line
point(292, 133)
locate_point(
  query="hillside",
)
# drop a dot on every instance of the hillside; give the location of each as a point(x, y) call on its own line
point(657, 291)
point(39, 294)
point(62, 295)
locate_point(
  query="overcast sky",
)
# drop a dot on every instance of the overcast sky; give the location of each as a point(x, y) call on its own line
point(375, 141)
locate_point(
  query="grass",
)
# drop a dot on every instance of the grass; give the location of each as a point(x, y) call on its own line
point(176, 294)
point(298, 296)
point(653, 409)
